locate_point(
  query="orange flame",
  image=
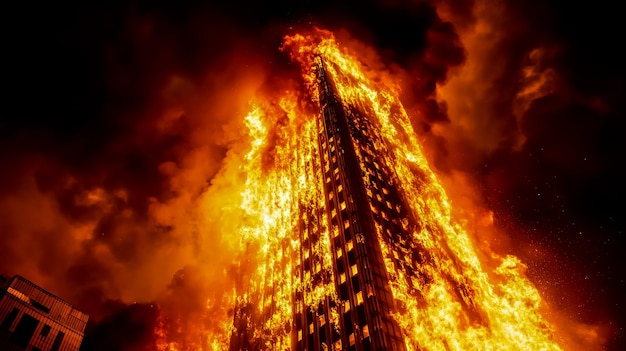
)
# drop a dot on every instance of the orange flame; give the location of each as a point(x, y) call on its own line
point(457, 303)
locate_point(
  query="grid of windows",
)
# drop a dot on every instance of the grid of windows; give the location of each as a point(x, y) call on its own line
point(38, 320)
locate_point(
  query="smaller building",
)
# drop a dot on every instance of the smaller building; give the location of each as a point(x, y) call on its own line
point(32, 319)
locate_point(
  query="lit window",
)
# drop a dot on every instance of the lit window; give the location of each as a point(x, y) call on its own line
point(352, 339)
point(322, 320)
point(369, 290)
point(299, 335)
point(339, 253)
point(366, 331)
point(349, 245)
point(359, 298)
point(346, 306)
point(354, 269)
point(343, 205)
point(340, 188)
point(342, 277)
point(346, 224)
point(331, 195)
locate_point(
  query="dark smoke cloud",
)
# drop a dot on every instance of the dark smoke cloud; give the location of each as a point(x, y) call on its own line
point(544, 139)
point(117, 114)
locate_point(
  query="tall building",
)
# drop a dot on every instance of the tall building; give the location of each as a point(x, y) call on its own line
point(358, 197)
point(350, 241)
point(32, 319)
point(356, 202)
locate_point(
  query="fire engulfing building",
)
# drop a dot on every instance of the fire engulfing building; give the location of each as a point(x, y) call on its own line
point(350, 241)
point(356, 315)
point(33, 319)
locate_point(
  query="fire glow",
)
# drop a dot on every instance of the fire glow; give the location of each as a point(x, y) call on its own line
point(454, 304)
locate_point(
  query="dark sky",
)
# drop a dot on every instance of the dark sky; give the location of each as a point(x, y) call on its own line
point(86, 88)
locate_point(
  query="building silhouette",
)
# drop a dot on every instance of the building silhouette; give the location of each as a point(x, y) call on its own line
point(32, 319)
point(360, 201)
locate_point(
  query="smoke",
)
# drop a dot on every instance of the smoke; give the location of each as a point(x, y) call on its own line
point(123, 129)
point(106, 199)
point(535, 124)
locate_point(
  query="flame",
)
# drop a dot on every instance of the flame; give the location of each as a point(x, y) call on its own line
point(447, 301)
point(506, 303)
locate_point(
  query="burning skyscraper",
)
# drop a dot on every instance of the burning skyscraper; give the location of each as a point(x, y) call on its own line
point(350, 236)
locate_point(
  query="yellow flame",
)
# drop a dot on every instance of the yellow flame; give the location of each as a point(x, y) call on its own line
point(448, 301)
point(459, 306)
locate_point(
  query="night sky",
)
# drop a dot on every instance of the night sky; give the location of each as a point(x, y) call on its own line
point(109, 108)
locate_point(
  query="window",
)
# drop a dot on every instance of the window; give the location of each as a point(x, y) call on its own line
point(24, 330)
point(10, 318)
point(349, 245)
point(322, 320)
point(45, 330)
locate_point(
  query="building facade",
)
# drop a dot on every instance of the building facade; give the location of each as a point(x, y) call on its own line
point(358, 202)
point(32, 319)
